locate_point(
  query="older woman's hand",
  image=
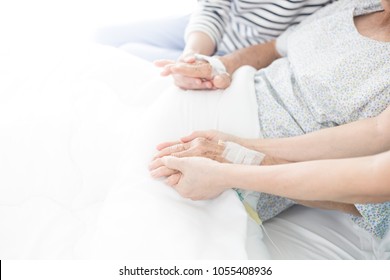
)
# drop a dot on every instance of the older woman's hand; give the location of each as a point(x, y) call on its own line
point(194, 177)
point(207, 144)
point(198, 147)
point(193, 74)
point(198, 143)
point(212, 135)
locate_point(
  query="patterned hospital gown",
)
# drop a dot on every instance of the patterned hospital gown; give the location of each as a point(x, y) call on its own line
point(330, 75)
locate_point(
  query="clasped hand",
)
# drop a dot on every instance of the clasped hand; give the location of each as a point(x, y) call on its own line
point(189, 73)
point(192, 165)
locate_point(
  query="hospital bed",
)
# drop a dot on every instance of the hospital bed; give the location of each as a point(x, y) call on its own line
point(62, 141)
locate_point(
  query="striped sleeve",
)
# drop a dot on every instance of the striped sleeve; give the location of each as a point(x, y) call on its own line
point(235, 24)
point(210, 17)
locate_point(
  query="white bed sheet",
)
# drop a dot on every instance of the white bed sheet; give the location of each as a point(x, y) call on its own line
point(74, 152)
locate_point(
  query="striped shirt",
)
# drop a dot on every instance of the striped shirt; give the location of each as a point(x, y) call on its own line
point(234, 24)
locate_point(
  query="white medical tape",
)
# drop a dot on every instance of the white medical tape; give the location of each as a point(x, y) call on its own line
point(238, 154)
point(216, 65)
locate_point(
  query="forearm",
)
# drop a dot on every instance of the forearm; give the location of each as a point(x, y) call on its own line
point(207, 26)
point(356, 180)
point(330, 205)
point(361, 138)
point(199, 42)
point(257, 56)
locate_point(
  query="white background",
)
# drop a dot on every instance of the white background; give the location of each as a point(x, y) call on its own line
point(34, 32)
point(23, 21)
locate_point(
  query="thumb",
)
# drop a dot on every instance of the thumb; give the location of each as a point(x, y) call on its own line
point(222, 81)
point(173, 163)
point(208, 134)
point(192, 136)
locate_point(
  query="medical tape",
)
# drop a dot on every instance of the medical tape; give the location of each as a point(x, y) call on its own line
point(238, 154)
point(217, 66)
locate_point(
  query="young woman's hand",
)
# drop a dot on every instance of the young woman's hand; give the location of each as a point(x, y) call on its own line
point(195, 178)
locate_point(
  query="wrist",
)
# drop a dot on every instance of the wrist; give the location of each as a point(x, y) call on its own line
point(225, 176)
point(265, 146)
point(186, 54)
point(270, 160)
point(217, 67)
point(228, 63)
point(233, 175)
point(247, 143)
point(199, 42)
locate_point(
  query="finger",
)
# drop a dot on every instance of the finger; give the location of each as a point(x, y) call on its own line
point(173, 163)
point(191, 152)
point(172, 149)
point(167, 144)
point(166, 70)
point(197, 84)
point(222, 81)
point(174, 179)
point(207, 85)
point(195, 70)
point(205, 150)
point(162, 171)
point(163, 62)
point(187, 83)
point(155, 164)
point(197, 134)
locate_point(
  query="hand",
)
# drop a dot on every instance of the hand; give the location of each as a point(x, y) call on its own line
point(192, 74)
point(200, 77)
point(195, 178)
point(212, 135)
point(198, 143)
point(215, 136)
point(198, 147)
